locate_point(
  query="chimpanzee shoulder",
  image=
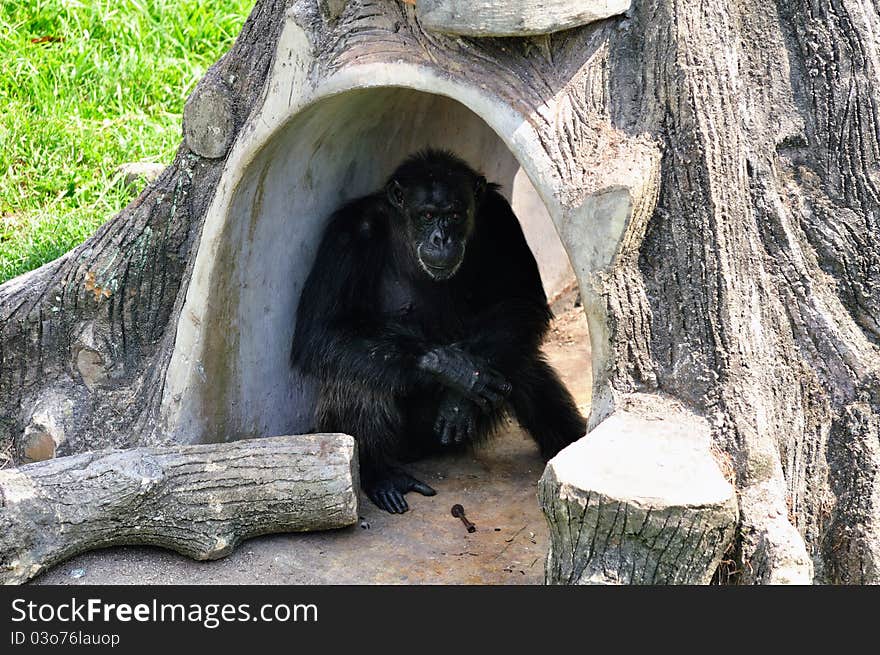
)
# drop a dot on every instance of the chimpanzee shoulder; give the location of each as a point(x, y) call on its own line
point(361, 220)
point(498, 231)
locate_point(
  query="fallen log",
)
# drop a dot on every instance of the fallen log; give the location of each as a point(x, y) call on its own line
point(200, 501)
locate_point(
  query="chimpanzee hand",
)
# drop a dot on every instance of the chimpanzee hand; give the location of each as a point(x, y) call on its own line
point(456, 419)
point(468, 374)
point(387, 486)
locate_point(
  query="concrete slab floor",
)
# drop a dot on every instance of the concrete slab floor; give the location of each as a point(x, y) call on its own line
point(495, 484)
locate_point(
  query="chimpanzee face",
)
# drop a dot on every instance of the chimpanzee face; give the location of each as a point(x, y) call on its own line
point(439, 214)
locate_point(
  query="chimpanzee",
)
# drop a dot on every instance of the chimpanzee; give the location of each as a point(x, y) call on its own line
point(422, 321)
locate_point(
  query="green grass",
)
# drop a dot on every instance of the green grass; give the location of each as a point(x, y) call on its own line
point(106, 87)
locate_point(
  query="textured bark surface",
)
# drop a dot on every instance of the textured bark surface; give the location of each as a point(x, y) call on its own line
point(744, 280)
point(760, 266)
point(198, 500)
point(97, 325)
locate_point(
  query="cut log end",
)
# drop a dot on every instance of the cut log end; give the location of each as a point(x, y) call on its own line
point(485, 18)
point(209, 120)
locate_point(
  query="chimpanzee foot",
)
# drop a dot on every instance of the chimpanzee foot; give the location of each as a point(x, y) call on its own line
point(387, 490)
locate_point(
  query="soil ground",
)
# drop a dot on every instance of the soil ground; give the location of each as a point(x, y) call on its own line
point(495, 484)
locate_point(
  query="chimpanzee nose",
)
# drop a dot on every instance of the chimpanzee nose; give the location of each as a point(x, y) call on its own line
point(438, 240)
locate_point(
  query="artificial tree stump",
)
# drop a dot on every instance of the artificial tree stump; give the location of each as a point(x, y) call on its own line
point(200, 501)
point(640, 500)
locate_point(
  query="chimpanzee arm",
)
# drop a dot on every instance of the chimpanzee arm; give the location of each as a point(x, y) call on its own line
point(514, 315)
point(342, 333)
point(340, 330)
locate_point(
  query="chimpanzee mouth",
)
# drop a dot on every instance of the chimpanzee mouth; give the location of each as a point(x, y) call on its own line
point(440, 273)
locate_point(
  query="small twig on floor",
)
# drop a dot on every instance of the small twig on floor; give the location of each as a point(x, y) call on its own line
point(509, 541)
point(516, 534)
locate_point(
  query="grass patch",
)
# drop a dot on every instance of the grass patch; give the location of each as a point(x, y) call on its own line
point(84, 87)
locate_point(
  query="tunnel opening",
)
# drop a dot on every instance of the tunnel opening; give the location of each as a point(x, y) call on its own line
point(340, 147)
point(230, 376)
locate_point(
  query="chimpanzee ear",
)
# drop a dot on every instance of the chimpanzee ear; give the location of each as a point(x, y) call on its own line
point(395, 194)
point(480, 186)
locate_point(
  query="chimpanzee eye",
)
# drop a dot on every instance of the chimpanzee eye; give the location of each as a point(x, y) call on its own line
point(427, 216)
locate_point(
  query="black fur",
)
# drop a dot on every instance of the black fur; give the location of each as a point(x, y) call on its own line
point(401, 356)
